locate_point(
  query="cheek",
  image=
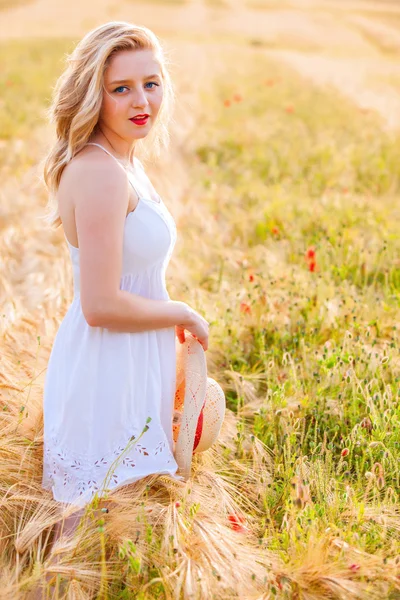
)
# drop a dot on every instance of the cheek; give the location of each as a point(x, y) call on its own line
point(111, 107)
point(157, 102)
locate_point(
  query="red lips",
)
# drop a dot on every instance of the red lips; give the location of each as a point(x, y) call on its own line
point(139, 120)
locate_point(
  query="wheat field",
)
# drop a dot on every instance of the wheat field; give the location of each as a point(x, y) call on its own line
point(283, 177)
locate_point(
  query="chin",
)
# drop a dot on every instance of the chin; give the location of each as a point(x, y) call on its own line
point(142, 133)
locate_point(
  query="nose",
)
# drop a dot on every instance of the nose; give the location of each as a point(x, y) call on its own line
point(140, 99)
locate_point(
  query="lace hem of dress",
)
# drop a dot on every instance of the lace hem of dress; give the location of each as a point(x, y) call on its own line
point(79, 476)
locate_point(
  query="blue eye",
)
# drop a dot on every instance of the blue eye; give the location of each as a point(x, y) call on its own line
point(148, 83)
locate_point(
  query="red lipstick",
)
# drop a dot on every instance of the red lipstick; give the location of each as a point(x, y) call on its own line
point(140, 119)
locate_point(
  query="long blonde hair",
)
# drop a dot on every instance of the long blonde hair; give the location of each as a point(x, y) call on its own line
point(77, 99)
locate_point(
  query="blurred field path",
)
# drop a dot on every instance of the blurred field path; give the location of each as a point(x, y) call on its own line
point(315, 24)
point(353, 46)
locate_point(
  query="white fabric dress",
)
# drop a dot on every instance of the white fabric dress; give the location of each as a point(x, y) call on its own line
point(101, 386)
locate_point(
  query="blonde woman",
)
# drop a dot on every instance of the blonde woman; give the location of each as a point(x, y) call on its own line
point(111, 374)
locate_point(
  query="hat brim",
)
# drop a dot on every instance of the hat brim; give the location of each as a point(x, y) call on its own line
point(213, 414)
point(191, 368)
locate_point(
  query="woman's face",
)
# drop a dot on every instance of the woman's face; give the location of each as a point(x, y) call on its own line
point(132, 86)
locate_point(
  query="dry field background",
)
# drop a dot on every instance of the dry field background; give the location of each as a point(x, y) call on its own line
point(283, 178)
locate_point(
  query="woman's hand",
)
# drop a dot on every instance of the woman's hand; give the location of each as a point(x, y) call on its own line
point(197, 326)
point(180, 333)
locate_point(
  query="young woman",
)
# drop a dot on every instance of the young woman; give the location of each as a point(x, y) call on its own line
point(111, 372)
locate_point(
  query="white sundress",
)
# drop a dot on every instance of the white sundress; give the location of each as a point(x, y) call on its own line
point(102, 386)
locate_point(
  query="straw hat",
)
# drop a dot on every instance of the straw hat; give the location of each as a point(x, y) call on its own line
point(199, 405)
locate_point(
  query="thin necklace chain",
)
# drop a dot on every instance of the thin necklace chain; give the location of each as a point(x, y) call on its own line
point(129, 165)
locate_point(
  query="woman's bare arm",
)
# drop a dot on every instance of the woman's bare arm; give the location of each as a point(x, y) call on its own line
point(131, 312)
point(100, 192)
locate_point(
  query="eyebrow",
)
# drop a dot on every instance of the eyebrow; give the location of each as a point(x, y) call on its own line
point(130, 80)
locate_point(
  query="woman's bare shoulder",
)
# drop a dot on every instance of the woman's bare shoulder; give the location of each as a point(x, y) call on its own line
point(87, 165)
point(85, 160)
point(88, 171)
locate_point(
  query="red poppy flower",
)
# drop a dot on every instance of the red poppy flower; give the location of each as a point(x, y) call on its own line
point(237, 98)
point(312, 266)
point(310, 253)
point(251, 277)
point(275, 230)
point(227, 102)
point(289, 109)
point(345, 452)
point(236, 522)
point(244, 307)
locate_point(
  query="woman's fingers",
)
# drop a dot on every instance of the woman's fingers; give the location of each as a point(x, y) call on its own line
point(180, 333)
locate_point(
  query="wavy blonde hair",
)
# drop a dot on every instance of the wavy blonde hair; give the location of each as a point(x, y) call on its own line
point(77, 99)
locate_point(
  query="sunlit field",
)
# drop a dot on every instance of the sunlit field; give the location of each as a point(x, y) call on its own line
point(286, 198)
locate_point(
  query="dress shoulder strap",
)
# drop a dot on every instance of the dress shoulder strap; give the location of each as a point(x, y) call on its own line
point(116, 159)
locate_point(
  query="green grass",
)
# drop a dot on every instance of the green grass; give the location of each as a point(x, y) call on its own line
point(323, 344)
